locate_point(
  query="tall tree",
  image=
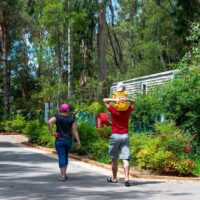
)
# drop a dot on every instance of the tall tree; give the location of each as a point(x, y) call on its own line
point(101, 43)
point(5, 66)
point(114, 41)
point(10, 10)
point(101, 40)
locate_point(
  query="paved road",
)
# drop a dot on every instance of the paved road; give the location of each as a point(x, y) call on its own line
point(27, 173)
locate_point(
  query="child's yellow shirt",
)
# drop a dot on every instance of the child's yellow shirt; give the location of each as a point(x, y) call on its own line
point(120, 106)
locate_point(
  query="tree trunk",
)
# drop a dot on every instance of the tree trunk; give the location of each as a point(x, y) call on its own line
point(101, 43)
point(59, 69)
point(101, 48)
point(115, 44)
point(69, 62)
point(67, 48)
point(25, 74)
point(6, 70)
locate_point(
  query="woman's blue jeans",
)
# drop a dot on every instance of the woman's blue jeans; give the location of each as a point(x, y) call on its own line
point(63, 147)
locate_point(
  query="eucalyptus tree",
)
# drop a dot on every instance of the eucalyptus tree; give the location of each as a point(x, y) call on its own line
point(6, 17)
point(12, 23)
point(63, 36)
point(49, 38)
point(101, 40)
point(84, 51)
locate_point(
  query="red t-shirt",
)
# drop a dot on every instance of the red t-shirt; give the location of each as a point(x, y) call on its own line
point(120, 120)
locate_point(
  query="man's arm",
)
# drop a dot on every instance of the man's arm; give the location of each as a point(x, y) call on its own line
point(107, 101)
point(132, 103)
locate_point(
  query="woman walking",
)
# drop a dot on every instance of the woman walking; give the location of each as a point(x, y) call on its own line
point(65, 126)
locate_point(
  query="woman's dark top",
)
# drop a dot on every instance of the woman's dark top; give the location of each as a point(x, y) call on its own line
point(64, 126)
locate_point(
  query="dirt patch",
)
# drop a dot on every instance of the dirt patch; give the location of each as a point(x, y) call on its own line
point(9, 133)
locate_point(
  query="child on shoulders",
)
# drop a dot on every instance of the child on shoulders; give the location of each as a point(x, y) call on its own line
point(119, 94)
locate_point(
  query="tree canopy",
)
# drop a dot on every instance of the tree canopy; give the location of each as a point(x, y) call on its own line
point(72, 50)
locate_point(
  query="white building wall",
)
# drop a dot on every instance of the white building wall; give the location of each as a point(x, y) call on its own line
point(136, 85)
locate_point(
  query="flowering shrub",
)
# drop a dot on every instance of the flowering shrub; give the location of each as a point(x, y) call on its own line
point(163, 151)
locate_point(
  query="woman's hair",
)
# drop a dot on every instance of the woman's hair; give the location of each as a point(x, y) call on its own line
point(64, 107)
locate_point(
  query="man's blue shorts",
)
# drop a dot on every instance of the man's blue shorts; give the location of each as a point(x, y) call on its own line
point(119, 146)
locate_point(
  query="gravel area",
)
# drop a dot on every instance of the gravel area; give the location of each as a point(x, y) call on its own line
point(13, 138)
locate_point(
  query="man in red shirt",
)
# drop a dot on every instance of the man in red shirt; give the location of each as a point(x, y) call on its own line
point(119, 141)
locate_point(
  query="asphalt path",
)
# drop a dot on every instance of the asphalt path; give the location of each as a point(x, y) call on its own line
point(28, 173)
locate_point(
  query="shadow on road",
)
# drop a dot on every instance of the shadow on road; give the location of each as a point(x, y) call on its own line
point(30, 175)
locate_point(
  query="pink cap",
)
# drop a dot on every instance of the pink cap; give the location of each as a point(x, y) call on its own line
point(64, 107)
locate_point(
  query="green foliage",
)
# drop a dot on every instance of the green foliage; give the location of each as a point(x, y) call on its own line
point(105, 132)
point(92, 144)
point(146, 112)
point(168, 151)
point(38, 133)
point(164, 152)
point(15, 125)
point(32, 130)
point(180, 101)
point(87, 114)
point(150, 39)
point(99, 150)
point(197, 169)
point(45, 138)
point(192, 57)
point(173, 138)
point(96, 108)
point(177, 101)
point(88, 135)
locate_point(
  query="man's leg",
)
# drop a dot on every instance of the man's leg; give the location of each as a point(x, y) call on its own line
point(114, 170)
point(114, 154)
point(125, 156)
point(126, 170)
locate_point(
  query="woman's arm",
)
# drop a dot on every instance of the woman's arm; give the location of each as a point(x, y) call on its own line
point(76, 135)
point(50, 125)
